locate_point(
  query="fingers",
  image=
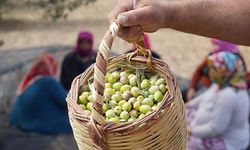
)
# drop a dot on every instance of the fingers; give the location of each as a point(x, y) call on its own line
point(121, 7)
point(134, 17)
point(131, 34)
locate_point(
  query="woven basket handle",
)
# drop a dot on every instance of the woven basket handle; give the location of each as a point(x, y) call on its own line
point(100, 70)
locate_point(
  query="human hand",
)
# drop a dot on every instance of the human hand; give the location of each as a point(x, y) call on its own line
point(189, 131)
point(190, 94)
point(137, 16)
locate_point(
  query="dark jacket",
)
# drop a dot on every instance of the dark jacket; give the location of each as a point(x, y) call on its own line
point(72, 66)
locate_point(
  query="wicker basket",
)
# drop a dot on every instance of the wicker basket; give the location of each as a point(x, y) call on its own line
point(163, 129)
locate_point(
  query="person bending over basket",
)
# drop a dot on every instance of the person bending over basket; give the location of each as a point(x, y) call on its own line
point(79, 60)
point(40, 104)
point(218, 118)
point(200, 78)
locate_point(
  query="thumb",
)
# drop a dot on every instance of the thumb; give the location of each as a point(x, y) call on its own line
point(132, 17)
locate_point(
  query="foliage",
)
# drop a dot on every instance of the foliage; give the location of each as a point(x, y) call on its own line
point(2, 2)
point(60, 8)
point(54, 9)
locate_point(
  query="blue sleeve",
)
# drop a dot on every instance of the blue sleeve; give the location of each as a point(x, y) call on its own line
point(56, 91)
point(13, 117)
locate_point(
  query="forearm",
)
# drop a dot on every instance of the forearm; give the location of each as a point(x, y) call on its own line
point(194, 103)
point(225, 19)
point(197, 74)
point(195, 79)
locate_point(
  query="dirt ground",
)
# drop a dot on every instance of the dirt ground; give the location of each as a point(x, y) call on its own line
point(23, 28)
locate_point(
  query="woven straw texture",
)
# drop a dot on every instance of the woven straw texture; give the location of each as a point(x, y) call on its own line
point(163, 129)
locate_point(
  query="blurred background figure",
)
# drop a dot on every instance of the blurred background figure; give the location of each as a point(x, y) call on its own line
point(40, 104)
point(200, 79)
point(218, 118)
point(79, 60)
point(147, 46)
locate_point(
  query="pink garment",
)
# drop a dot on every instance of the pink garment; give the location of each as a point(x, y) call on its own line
point(224, 46)
point(87, 36)
point(146, 41)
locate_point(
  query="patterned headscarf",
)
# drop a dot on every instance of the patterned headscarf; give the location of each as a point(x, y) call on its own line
point(44, 65)
point(227, 69)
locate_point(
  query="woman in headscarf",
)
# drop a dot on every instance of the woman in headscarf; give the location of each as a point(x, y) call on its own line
point(147, 46)
point(200, 75)
point(79, 60)
point(218, 118)
point(40, 104)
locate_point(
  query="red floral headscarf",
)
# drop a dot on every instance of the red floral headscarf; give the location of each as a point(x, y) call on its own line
point(44, 65)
